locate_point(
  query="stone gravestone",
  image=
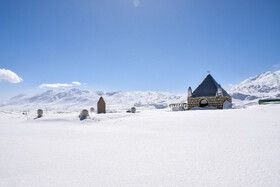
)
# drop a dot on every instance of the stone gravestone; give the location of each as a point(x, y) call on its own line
point(40, 113)
point(91, 109)
point(133, 110)
point(84, 114)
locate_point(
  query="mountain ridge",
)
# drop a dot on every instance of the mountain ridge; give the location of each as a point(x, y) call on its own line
point(75, 99)
point(265, 84)
point(248, 92)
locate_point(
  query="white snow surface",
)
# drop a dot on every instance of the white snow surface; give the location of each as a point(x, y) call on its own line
point(237, 147)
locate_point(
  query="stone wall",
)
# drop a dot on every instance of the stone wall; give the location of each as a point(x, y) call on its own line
point(215, 101)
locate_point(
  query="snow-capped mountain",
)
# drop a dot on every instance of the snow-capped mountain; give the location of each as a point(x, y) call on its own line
point(265, 85)
point(76, 99)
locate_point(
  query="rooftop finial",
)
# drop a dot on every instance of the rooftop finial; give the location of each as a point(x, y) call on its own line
point(208, 72)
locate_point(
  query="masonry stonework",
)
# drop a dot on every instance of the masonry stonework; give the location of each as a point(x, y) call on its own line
point(214, 101)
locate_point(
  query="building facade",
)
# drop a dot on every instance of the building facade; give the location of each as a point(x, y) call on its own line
point(208, 93)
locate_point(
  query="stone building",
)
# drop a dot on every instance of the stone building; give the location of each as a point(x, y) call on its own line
point(178, 106)
point(208, 93)
point(101, 106)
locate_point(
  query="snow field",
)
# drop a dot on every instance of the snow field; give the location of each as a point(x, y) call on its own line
point(238, 147)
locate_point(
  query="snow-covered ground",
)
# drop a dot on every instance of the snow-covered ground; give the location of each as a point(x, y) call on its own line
point(238, 147)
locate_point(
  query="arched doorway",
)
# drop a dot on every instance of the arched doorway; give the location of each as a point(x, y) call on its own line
point(203, 103)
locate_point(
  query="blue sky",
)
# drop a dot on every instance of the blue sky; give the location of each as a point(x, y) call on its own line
point(158, 45)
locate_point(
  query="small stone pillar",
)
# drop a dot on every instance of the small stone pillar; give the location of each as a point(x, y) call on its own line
point(101, 106)
point(92, 109)
point(133, 110)
point(189, 92)
point(40, 113)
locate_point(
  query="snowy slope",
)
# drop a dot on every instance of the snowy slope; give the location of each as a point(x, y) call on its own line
point(76, 99)
point(153, 148)
point(265, 85)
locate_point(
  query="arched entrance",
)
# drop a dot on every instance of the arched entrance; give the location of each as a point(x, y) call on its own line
point(203, 103)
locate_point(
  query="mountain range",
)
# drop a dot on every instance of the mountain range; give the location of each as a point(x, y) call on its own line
point(76, 99)
point(265, 85)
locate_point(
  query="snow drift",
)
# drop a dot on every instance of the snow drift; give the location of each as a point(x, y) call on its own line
point(153, 148)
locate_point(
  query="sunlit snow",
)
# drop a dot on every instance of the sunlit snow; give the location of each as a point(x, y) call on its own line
point(236, 147)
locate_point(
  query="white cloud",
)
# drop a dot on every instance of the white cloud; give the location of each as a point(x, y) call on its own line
point(10, 76)
point(57, 85)
point(76, 83)
point(276, 65)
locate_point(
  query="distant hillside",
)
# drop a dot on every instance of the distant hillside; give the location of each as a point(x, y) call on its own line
point(76, 99)
point(265, 85)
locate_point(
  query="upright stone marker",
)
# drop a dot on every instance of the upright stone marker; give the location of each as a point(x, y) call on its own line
point(40, 113)
point(133, 110)
point(101, 106)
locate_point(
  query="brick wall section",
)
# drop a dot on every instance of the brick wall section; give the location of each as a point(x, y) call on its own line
point(215, 101)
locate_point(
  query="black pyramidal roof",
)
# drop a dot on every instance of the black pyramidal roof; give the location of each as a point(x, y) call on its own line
point(208, 87)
